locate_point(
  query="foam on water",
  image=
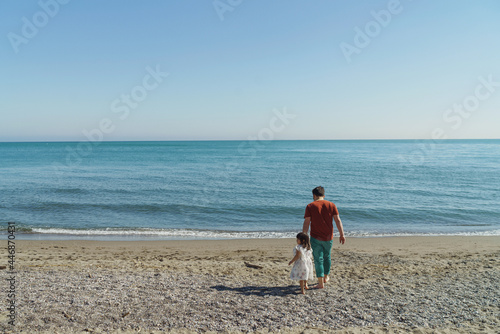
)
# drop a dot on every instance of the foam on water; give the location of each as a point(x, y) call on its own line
point(187, 234)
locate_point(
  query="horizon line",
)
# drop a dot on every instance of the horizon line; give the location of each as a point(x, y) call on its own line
point(241, 140)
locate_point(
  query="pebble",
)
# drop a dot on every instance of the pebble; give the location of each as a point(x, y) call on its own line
point(67, 301)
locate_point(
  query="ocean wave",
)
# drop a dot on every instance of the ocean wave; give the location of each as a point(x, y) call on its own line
point(21, 229)
point(155, 208)
point(70, 191)
point(217, 234)
point(491, 233)
point(184, 233)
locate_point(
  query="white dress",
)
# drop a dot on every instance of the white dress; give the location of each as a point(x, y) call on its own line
point(303, 267)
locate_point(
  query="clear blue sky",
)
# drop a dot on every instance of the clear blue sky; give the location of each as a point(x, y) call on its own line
point(65, 69)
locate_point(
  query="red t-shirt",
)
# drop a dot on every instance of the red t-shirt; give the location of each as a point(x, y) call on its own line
point(321, 213)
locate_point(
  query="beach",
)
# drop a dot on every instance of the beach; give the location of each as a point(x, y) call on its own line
point(446, 284)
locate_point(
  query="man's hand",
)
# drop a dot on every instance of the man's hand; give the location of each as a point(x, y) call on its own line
point(338, 222)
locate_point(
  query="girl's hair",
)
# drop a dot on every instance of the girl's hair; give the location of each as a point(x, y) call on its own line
point(304, 240)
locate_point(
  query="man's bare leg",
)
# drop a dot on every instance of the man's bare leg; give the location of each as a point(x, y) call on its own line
point(320, 283)
point(326, 278)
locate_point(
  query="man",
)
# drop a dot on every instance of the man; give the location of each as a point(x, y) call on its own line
point(319, 216)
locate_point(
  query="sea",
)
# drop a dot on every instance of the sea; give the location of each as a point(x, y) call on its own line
point(186, 190)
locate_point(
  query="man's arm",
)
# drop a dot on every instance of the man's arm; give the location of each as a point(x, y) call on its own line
point(307, 224)
point(338, 222)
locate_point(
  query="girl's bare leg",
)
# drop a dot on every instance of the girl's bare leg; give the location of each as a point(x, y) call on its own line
point(302, 286)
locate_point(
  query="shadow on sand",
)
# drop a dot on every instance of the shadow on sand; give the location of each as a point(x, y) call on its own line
point(261, 290)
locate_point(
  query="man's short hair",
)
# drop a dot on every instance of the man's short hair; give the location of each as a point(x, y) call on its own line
point(319, 191)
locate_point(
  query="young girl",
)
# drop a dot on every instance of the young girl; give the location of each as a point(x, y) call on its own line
point(302, 269)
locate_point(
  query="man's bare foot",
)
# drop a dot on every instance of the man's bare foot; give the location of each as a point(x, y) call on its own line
point(326, 279)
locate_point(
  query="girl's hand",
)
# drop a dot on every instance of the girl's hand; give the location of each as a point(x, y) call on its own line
point(289, 263)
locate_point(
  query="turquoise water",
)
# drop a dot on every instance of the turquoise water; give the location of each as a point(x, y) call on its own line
point(243, 189)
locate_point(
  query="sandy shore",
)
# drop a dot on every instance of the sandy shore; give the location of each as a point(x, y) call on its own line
point(379, 285)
